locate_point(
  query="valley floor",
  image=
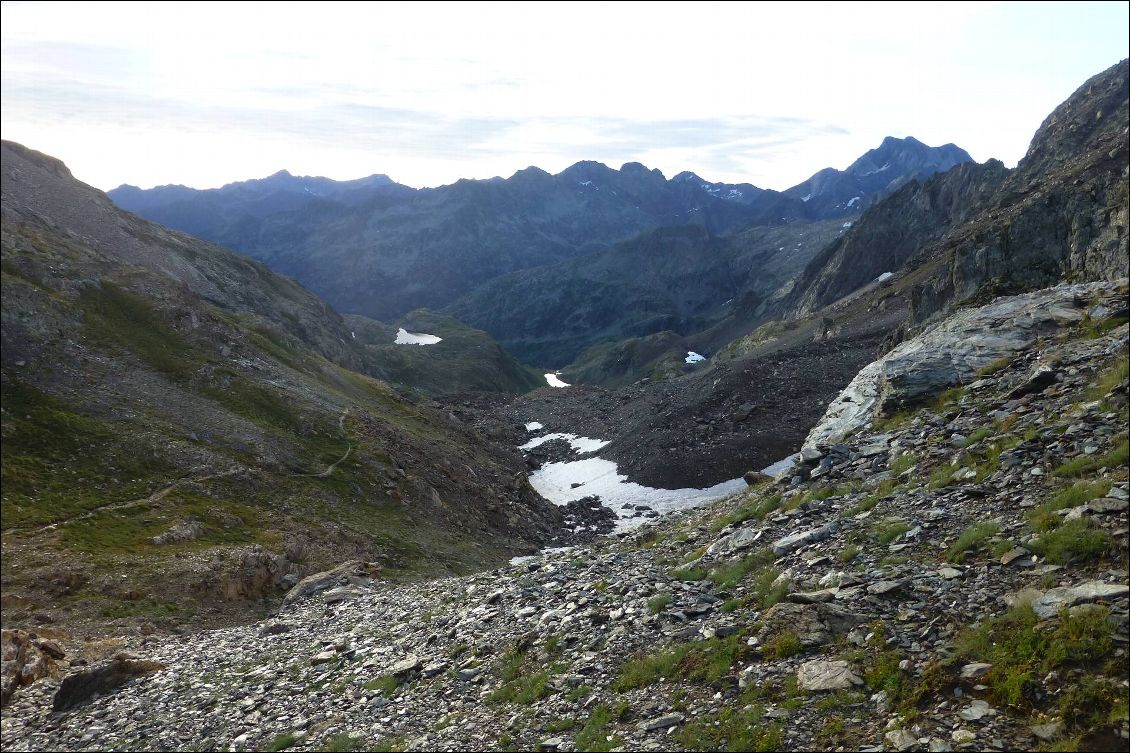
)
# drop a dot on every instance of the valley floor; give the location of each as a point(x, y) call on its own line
point(955, 578)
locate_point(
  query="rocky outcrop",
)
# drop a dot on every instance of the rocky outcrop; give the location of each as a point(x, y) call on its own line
point(951, 352)
point(890, 232)
point(80, 687)
point(982, 230)
point(1063, 213)
point(353, 573)
point(26, 659)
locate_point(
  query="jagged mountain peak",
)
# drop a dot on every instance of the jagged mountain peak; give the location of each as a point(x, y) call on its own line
point(875, 175)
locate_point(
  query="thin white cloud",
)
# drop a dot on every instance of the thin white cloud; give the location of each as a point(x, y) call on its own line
point(203, 94)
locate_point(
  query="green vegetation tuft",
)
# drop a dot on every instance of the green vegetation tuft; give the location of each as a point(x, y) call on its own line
point(1085, 464)
point(281, 742)
point(1043, 517)
point(1023, 650)
point(731, 574)
point(594, 735)
point(696, 661)
point(983, 433)
point(995, 367)
point(385, 685)
point(731, 729)
point(1074, 541)
point(887, 531)
point(344, 743)
point(783, 645)
point(657, 604)
point(1109, 379)
point(971, 538)
point(754, 509)
point(904, 463)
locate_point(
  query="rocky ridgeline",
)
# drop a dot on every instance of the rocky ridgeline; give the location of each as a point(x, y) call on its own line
point(952, 577)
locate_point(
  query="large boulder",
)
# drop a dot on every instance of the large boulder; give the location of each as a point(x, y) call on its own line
point(950, 353)
point(353, 572)
point(78, 688)
point(813, 624)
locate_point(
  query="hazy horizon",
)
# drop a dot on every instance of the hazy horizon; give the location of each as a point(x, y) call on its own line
point(208, 94)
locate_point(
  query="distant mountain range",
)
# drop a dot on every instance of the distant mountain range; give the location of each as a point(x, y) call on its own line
point(379, 249)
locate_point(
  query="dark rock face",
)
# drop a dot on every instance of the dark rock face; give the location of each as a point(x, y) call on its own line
point(889, 233)
point(681, 279)
point(983, 230)
point(1061, 214)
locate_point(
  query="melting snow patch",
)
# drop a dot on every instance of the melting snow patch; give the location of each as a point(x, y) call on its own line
point(596, 476)
point(404, 337)
point(884, 277)
point(806, 197)
point(852, 200)
point(553, 381)
point(693, 357)
point(533, 426)
point(580, 444)
point(776, 470)
point(541, 553)
point(846, 224)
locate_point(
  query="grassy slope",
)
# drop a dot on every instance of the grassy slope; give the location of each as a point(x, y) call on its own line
point(466, 359)
point(130, 408)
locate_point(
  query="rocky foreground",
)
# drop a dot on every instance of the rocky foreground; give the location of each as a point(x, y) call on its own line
point(949, 577)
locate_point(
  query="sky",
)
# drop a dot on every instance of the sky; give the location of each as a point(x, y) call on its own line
point(204, 94)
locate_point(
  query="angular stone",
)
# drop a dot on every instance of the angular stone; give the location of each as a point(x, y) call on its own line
point(344, 574)
point(405, 665)
point(813, 624)
point(976, 710)
point(797, 540)
point(949, 573)
point(1107, 505)
point(885, 586)
point(1048, 732)
point(900, 739)
point(323, 657)
point(963, 736)
point(812, 597)
point(1014, 554)
point(663, 722)
point(433, 669)
point(818, 675)
point(743, 538)
point(1050, 602)
point(975, 670)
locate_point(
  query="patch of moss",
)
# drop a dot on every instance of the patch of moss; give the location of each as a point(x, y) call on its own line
point(1022, 649)
point(696, 661)
point(971, 538)
point(731, 729)
point(116, 318)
